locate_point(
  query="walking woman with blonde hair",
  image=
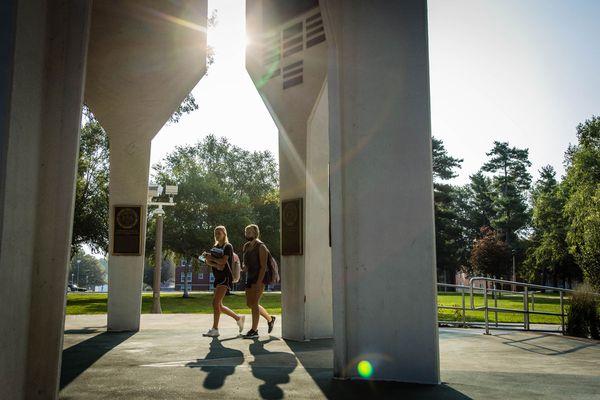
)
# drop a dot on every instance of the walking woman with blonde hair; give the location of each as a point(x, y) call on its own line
point(255, 258)
point(223, 273)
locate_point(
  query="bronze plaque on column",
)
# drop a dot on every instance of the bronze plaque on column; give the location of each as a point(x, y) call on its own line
point(291, 227)
point(127, 231)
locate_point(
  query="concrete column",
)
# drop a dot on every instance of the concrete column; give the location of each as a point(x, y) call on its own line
point(292, 88)
point(292, 178)
point(129, 173)
point(142, 64)
point(319, 318)
point(384, 297)
point(45, 71)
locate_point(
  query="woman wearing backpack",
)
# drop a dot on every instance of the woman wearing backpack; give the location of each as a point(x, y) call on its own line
point(255, 258)
point(222, 271)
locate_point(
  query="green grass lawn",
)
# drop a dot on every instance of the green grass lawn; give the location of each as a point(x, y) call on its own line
point(543, 302)
point(171, 303)
point(200, 302)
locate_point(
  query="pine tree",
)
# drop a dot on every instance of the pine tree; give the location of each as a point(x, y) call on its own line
point(448, 225)
point(511, 182)
point(480, 204)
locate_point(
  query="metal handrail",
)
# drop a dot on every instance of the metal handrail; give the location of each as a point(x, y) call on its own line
point(529, 290)
point(526, 292)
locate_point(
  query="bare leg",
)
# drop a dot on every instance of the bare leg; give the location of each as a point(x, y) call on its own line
point(252, 303)
point(217, 301)
point(227, 311)
point(261, 309)
point(264, 313)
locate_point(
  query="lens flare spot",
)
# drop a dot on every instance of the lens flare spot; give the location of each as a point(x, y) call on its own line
point(365, 369)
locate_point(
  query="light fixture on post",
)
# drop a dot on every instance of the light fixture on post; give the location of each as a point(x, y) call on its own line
point(156, 191)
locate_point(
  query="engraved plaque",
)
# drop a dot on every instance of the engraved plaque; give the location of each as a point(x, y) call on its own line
point(291, 227)
point(127, 231)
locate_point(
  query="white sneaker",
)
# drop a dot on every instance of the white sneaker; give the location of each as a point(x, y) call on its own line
point(240, 322)
point(212, 332)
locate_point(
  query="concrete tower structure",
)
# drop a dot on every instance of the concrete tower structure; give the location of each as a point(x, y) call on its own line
point(363, 69)
point(287, 60)
point(144, 57)
point(384, 282)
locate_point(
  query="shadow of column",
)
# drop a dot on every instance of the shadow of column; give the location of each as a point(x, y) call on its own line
point(83, 355)
point(363, 389)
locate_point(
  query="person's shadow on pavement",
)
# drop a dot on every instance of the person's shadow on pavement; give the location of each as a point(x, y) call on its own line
point(219, 363)
point(274, 368)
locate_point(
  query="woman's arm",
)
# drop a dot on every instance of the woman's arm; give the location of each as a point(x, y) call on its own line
point(262, 255)
point(218, 263)
point(213, 264)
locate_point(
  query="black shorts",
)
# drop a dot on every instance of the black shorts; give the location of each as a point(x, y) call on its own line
point(222, 279)
point(252, 279)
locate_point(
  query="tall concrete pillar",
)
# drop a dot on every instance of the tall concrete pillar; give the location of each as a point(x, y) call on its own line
point(129, 176)
point(43, 53)
point(145, 56)
point(287, 60)
point(384, 296)
point(318, 250)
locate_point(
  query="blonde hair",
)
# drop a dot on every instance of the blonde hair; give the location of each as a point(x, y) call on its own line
point(254, 228)
point(222, 229)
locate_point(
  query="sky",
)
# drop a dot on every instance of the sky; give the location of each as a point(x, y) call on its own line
point(520, 71)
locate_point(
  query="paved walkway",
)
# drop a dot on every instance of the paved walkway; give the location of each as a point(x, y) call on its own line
point(169, 359)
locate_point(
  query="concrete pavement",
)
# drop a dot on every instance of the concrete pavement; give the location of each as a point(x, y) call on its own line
point(169, 358)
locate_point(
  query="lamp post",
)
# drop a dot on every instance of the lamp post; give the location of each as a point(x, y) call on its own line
point(78, 262)
point(514, 270)
point(186, 293)
point(155, 191)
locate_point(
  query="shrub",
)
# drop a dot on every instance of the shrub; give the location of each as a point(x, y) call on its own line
point(582, 316)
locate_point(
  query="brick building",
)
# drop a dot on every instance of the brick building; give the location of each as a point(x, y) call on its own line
point(204, 280)
point(196, 280)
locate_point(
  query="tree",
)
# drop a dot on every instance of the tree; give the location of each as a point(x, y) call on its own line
point(490, 254)
point(187, 106)
point(448, 225)
point(90, 224)
point(219, 184)
point(511, 182)
point(480, 204)
point(444, 165)
point(166, 271)
point(582, 207)
point(86, 271)
point(548, 254)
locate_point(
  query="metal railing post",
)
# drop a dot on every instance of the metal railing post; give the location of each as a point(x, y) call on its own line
point(562, 313)
point(526, 308)
point(485, 302)
point(464, 311)
point(528, 289)
point(495, 305)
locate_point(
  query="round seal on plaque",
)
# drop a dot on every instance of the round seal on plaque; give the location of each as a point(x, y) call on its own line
point(290, 214)
point(127, 218)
